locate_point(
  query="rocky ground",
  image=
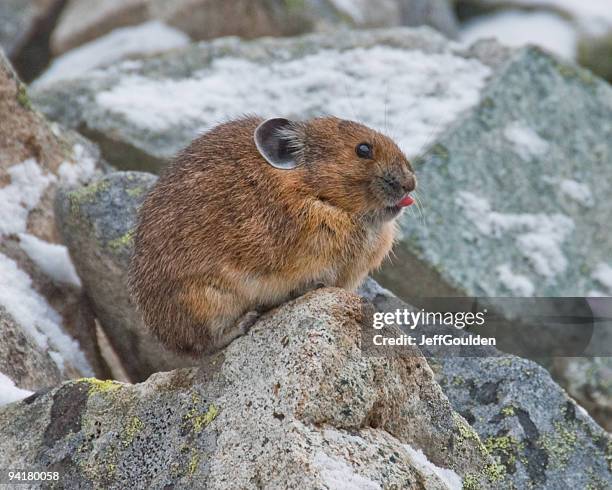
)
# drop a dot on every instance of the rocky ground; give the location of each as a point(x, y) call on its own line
point(512, 146)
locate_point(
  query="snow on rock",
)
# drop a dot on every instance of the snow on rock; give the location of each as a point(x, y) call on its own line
point(603, 275)
point(355, 9)
point(451, 479)
point(339, 475)
point(527, 143)
point(411, 94)
point(21, 195)
point(37, 318)
point(515, 28)
point(148, 38)
point(10, 393)
point(538, 236)
point(81, 170)
point(579, 192)
point(593, 16)
point(53, 259)
point(517, 284)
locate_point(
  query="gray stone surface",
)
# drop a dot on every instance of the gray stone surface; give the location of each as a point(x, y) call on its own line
point(515, 195)
point(138, 131)
point(22, 360)
point(589, 381)
point(36, 157)
point(97, 222)
point(292, 404)
point(584, 29)
point(85, 20)
point(532, 427)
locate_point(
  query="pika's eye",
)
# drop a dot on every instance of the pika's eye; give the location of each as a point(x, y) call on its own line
point(364, 150)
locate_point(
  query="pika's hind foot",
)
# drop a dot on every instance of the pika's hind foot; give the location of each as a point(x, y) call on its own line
point(237, 329)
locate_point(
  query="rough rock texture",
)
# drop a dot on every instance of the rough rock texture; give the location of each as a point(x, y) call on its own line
point(97, 223)
point(292, 404)
point(208, 19)
point(589, 381)
point(22, 360)
point(125, 108)
point(513, 199)
point(40, 295)
point(542, 437)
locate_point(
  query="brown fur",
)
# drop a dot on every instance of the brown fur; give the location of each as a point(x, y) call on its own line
point(223, 233)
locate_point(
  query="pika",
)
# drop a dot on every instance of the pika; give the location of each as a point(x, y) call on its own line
point(256, 212)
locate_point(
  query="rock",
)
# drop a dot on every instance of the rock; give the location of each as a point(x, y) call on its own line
point(575, 30)
point(25, 28)
point(541, 437)
point(22, 359)
point(595, 52)
point(545, 29)
point(126, 108)
point(97, 223)
point(589, 381)
point(294, 403)
point(513, 204)
point(85, 20)
point(120, 44)
point(43, 314)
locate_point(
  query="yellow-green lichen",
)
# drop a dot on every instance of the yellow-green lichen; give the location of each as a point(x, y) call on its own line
point(508, 411)
point(136, 191)
point(133, 427)
point(123, 241)
point(504, 448)
point(101, 386)
point(495, 472)
point(194, 462)
point(470, 482)
point(22, 97)
point(559, 445)
point(466, 433)
point(198, 418)
point(86, 193)
point(201, 421)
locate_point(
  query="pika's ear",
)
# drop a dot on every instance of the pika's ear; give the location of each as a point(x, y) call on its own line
point(278, 142)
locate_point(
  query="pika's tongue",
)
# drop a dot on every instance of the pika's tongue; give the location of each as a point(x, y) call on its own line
point(406, 201)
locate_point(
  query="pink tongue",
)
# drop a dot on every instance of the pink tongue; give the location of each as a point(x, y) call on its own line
point(406, 201)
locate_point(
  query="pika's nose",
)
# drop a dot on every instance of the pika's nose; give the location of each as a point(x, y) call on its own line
point(409, 183)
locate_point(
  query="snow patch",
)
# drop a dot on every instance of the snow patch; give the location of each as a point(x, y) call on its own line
point(79, 172)
point(413, 94)
point(338, 475)
point(51, 258)
point(516, 283)
point(515, 28)
point(17, 199)
point(527, 143)
point(451, 479)
point(603, 275)
point(579, 192)
point(10, 393)
point(594, 16)
point(144, 39)
point(37, 318)
point(355, 9)
point(539, 236)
